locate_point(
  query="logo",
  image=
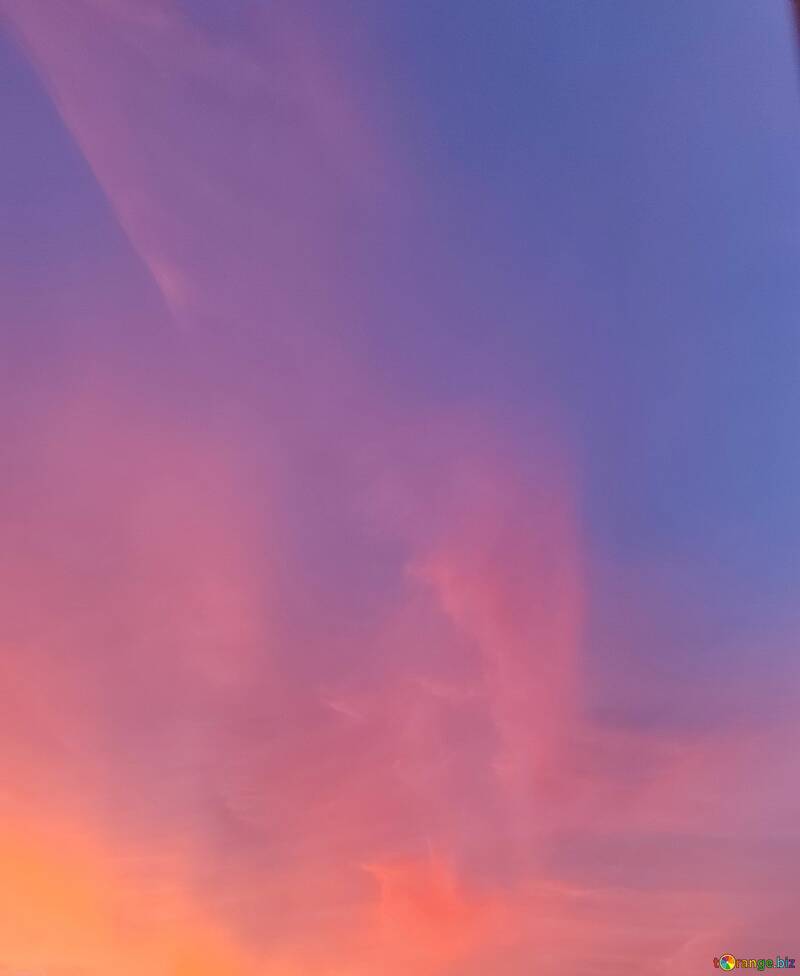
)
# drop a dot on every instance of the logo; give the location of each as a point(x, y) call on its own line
point(729, 962)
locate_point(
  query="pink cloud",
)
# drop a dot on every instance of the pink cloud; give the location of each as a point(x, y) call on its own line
point(296, 667)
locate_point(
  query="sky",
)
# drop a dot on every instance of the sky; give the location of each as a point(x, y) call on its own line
point(400, 509)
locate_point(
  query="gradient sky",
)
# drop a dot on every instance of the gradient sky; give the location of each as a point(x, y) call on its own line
point(400, 509)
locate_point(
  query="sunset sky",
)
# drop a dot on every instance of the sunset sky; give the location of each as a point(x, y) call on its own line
point(400, 497)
